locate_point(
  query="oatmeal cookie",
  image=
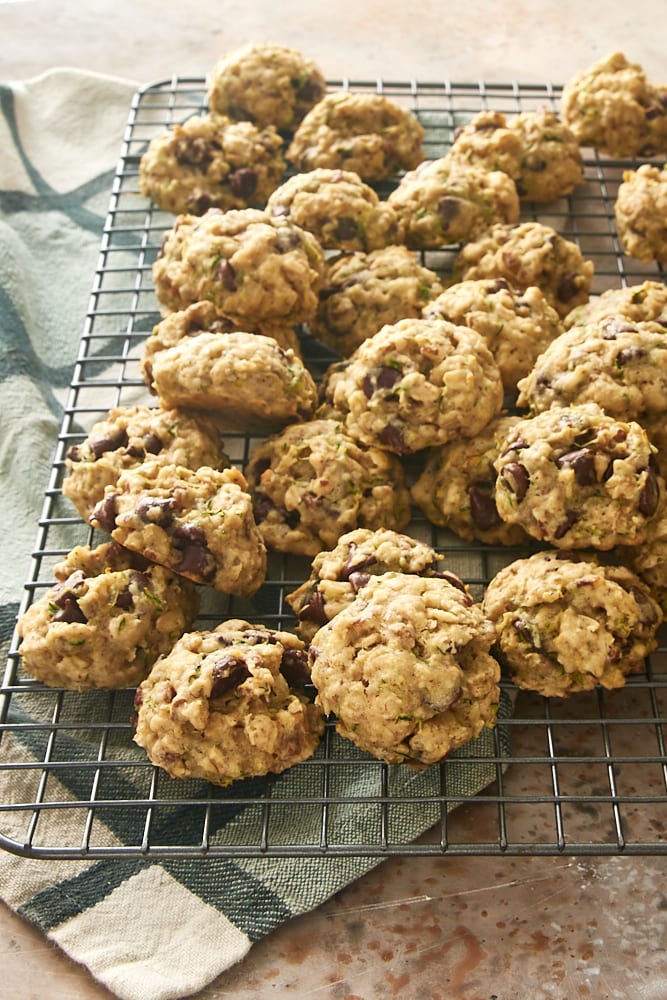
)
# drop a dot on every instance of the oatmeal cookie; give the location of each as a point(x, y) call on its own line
point(486, 141)
point(254, 267)
point(363, 292)
point(406, 669)
point(525, 254)
point(368, 134)
point(105, 621)
point(338, 208)
point(245, 381)
point(444, 202)
point(613, 107)
point(198, 523)
point(265, 83)
point(210, 161)
point(128, 436)
point(577, 478)
point(649, 559)
point(618, 364)
point(228, 704)
point(516, 325)
point(646, 302)
point(415, 384)
point(338, 574)
point(312, 482)
point(456, 487)
point(568, 624)
point(641, 213)
point(551, 164)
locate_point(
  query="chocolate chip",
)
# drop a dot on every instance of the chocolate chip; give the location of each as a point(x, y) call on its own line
point(152, 444)
point(74, 453)
point(156, 510)
point(649, 496)
point(517, 479)
point(571, 518)
point(448, 209)
point(70, 611)
point(105, 513)
point(294, 667)
point(202, 204)
point(358, 580)
point(354, 563)
point(113, 442)
point(483, 510)
point(124, 600)
point(568, 286)
point(309, 90)
point(582, 463)
point(346, 229)
point(391, 437)
point(196, 561)
point(525, 631)
point(193, 152)
point(227, 275)
point(227, 674)
point(314, 611)
point(454, 581)
point(628, 354)
point(243, 182)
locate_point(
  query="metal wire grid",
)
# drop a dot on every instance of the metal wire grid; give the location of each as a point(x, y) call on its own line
point(584, 776)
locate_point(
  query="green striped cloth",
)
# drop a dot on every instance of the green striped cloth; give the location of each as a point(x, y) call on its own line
point(148, 930)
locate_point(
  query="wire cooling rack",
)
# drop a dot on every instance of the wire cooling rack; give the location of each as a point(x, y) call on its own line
point(586, 775)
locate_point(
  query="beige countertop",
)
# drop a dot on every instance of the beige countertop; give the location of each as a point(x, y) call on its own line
point(474, 928)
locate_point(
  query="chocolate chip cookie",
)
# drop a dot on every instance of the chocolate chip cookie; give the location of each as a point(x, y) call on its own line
point(645, 302)
point(312, 483)
point(406, 669)
point(198, 523)
point(566, 624)
point(640, 211)
point(105, 621)
point(228, 704)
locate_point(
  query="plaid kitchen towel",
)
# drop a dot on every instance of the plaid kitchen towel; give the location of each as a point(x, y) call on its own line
point(146, 929)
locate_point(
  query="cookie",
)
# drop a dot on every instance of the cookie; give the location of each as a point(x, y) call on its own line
point(613, 107)
point(529, 253)
point(312, 483)
point(130, 435)
point(640, 211)
point(265, 83)
point(368, 134)
point(442, 202)
point(566, 624)
point(577, 478)
point(210, 161)
point(618, 364)
point(646, 302)
point(223, 705)
point(649, 559)
point(338, 574)
point(516, 325)
point(245, 381)
point(254, 267)
point(197, 523)
point(105, 621)
point(362, 292)
point(456, 487)
point(486, 141)
point(551, 165)
point(338, 208)
point(415, 384)
point(406, 669)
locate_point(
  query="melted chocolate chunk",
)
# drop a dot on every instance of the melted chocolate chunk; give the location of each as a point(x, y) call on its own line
point(517, 479)
point(294, 667)
point(105, 513)
point(227, 673)
point(243, 182)
point(483, 510)
point(582, 463)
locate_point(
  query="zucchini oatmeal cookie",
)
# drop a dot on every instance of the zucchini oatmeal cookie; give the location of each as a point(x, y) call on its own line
point(265, 83)
point(203, 317)
point(526, 254)
point(577, 478)
point(196, 523)
point(338, 208)
point(649, 559)
point(415, 384)
point(442, 202)
point(105, 621)
point(618, 364)
point(363, 292)
point(312, 483)
point(643, 303)
point(457, 485)
point(641, 213)
point(243, 381)
point(128, 436)
point(228, 704)
point(535, 148)
point(406, 669)
point(254, 267)
point(566, 624)
point(516, 325)
point(367, 133)
point(613, 107)
point(210, 161)
point(338, 574)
